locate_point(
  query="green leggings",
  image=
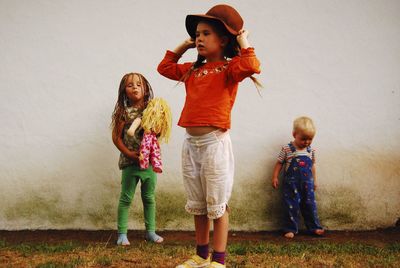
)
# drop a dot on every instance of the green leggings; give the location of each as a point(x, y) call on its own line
point(130, 178)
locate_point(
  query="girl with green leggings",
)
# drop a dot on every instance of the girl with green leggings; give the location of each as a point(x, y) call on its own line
point(133, 96)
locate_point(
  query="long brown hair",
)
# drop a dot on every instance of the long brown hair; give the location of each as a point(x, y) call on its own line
point(119, 113)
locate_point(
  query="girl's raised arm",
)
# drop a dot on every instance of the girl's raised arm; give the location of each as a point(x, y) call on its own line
point(169, 66)
point(242, 38)
point(184, 46)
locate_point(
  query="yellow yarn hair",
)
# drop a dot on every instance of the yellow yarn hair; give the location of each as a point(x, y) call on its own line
point(157, 118)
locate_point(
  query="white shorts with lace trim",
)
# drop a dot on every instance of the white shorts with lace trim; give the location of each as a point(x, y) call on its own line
point(208, 169)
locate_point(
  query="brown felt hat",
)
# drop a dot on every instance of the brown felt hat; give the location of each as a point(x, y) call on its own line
point(227, 15)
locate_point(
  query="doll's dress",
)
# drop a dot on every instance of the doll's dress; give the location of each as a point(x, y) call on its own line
point(150, 152)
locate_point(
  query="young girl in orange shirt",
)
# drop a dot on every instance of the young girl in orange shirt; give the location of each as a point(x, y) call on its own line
point(225, 58)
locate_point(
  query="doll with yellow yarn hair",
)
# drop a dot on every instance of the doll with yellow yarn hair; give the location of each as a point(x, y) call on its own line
point(156, 123)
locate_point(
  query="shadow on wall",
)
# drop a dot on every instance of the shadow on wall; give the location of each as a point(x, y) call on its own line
point(357, 200)
point(255, 207)
point(259, 207)
point(45, 208)
point(81, 192)
point(254, 204)
point(341, 208)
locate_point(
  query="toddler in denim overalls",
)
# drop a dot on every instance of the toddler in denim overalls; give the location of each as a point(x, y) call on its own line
point(299, 181)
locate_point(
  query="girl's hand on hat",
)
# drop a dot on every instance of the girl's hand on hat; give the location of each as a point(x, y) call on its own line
point(243, 33)
point(190, 43)
point(242, 38)
point(187, 44)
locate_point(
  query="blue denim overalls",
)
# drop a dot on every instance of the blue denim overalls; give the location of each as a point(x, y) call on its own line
point(298, 193)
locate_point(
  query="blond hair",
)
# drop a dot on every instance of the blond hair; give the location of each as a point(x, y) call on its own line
point(304, 124)
point(157, 118)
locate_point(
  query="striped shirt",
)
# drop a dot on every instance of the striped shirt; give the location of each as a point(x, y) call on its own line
point(285, 155)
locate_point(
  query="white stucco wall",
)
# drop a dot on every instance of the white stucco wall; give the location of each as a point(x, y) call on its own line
point(61, 62)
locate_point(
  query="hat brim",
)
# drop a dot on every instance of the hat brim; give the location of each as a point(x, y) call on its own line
point(192, 21)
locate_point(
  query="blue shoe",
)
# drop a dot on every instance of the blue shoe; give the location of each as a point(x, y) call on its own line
point(153, 237)
point(123, 240)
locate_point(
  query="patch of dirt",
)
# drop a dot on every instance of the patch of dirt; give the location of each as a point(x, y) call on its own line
point(377, 237)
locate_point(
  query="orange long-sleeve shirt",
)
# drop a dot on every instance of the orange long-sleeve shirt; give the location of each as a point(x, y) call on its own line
point(211, 89)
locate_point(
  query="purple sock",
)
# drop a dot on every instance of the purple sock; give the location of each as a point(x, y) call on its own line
point(202, 251)
point(218, 257)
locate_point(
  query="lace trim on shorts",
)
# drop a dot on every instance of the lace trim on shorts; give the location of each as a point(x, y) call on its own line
point(195, 209)
point(215, 212)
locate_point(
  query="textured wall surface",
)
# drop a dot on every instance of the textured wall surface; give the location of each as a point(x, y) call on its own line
point(61, 62)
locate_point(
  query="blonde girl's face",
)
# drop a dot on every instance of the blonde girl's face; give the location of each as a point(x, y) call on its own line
point(134, 90)
point(302, 139)
point(208, 43)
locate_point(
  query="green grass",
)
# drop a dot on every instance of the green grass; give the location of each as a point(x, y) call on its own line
point(240, 254)
point(76, 262)
point(27, 249)
point(395, 247)
point(51, 264)
point(297, 249)
point(104, 260)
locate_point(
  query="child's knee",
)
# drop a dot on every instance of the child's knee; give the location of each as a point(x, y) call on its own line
point(125, 199)
point(148, 198)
